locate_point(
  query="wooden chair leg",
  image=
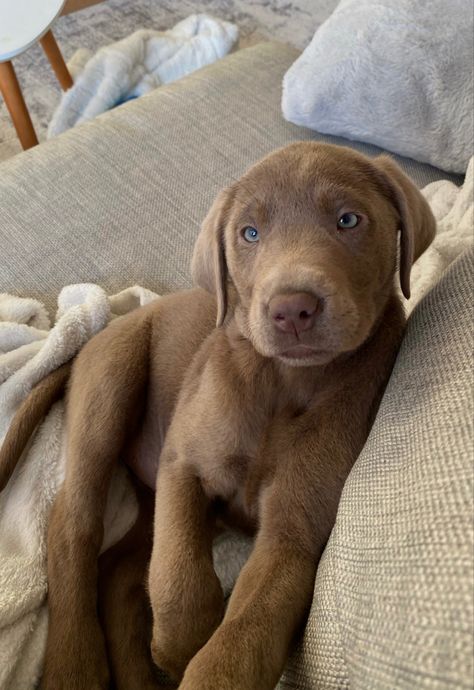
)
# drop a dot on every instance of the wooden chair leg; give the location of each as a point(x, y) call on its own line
point(54, 56)
point(11, 91)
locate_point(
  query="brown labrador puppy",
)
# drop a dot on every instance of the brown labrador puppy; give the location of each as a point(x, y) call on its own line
point(256, 423)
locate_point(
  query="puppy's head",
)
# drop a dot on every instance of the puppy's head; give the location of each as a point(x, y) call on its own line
point(303, 249)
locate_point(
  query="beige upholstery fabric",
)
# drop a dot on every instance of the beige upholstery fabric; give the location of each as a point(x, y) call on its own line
point(393, 605)
point(119, 200)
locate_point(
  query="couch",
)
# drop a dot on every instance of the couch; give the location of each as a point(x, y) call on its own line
point(118, 201)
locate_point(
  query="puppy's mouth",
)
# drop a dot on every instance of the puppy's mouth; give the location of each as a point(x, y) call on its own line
point(302, 352)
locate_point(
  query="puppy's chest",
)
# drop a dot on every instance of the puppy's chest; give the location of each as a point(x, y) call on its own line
point(236, 460)
point(232, 418)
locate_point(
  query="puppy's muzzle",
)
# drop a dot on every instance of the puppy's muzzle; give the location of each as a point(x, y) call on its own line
point(294, 312)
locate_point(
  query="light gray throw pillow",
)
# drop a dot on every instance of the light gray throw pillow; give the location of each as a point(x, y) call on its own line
point(395, 74)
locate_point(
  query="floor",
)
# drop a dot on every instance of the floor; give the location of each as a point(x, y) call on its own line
point(293, 21)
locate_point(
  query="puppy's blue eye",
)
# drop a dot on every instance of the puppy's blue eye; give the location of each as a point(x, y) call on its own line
point(348, 221)
point(251, 234)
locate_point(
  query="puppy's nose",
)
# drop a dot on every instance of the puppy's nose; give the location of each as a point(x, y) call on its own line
point(294, 313)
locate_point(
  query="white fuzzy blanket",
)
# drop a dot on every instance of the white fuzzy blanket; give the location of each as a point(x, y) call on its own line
point(29, 350)
point(138, 64)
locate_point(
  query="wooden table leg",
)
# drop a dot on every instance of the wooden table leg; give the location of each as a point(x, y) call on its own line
point(53, 54)
point(10, 89)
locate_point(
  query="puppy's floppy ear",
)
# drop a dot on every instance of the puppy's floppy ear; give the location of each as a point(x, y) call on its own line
point(208, 265)
point(417, 224)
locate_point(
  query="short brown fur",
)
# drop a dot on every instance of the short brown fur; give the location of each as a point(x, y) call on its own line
point(247, 431)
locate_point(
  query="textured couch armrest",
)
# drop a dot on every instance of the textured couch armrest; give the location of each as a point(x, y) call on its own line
point(393, 605)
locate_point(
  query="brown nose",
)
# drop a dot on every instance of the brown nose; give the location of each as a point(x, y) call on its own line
point(294, 313)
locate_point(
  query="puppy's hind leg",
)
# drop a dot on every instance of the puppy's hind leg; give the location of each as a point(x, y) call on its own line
point(124, 605)
point(108, 387)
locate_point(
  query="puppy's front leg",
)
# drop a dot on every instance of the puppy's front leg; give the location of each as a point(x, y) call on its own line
point(248, 650)
point(274, 590)
point(185, 593)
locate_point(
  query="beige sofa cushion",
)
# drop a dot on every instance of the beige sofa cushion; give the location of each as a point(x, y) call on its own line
point(393, 605)
point(118, 200)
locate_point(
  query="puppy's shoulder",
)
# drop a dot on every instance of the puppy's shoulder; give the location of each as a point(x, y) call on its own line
point(184, 304)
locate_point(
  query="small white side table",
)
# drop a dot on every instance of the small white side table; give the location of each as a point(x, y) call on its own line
point(22, 23)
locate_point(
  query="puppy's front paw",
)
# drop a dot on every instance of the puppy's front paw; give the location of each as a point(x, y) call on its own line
point(167, 657)
point(206, 671)
point(184, 619)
